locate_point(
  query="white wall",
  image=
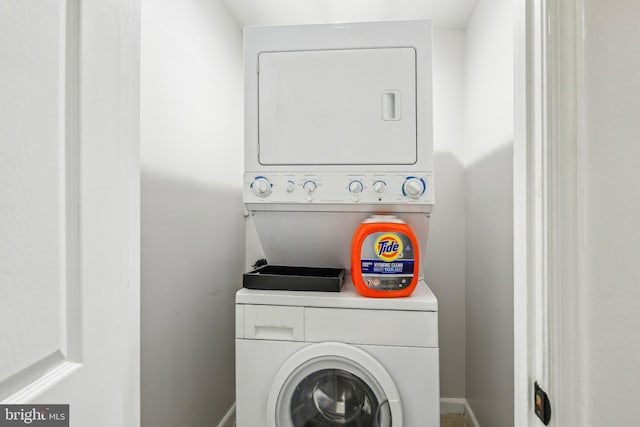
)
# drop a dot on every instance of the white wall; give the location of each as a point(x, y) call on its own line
point(489, 206)
point(445, 258)
point(611, 164)
point(191, 202)
point(192, 217)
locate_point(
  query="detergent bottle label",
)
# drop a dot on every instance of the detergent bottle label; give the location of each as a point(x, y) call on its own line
point(387, 261)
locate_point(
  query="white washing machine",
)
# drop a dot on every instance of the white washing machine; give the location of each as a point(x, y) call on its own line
point(307, 359)
point(338, 127)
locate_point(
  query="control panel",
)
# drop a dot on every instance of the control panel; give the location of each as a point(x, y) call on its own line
point(339, 188)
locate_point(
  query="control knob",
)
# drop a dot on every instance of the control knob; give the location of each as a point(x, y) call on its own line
point(356, 186)
point(379, 186)
point(309, 186)
point(261, 186)
point(291, 186)
point(413, 187)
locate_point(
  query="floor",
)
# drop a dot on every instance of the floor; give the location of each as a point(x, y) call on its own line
point(446, 421)
point(454, 421)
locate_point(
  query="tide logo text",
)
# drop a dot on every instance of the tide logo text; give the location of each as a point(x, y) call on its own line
point(388, 247)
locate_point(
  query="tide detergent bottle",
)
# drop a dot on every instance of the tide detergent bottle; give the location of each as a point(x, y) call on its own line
point(384, 258)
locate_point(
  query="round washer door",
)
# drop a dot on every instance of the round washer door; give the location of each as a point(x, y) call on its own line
point(333, 385)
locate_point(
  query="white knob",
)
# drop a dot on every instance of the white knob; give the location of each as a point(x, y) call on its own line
point(261, 187)
point(291, 186)
point(356, 186)
point(379, 186)
point(413, 187)
point(309, 186)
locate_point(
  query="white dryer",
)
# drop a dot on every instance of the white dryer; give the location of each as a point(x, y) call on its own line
point(307, 359)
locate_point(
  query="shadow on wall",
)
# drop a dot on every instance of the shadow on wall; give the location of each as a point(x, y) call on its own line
point(489, 292)
point(192, 264)
point(445, 270)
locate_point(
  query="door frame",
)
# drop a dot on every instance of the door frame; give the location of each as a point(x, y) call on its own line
point(548, 219)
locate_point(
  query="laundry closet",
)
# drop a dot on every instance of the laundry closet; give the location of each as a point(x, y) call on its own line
point(193, 216)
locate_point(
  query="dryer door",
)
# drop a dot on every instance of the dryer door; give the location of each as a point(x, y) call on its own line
point(338, 107)
point(333, 384)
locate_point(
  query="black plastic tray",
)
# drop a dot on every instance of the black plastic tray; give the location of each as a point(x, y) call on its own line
point(286, 278)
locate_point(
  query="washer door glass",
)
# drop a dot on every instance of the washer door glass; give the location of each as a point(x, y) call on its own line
point(335, 397)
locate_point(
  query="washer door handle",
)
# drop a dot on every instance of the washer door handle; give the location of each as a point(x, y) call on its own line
point(273, 332)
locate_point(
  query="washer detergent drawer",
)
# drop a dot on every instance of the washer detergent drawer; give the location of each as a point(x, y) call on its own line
point(269, 322)
point(383, 327)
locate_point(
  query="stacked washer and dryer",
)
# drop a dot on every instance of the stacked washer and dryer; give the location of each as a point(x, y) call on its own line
point(338, 127)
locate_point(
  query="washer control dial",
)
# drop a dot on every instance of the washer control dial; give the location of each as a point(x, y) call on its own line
point(356, 186)
point(309, 186)
point(261, 186)
point(290, 186)
point(379, 186)
point(413, 187)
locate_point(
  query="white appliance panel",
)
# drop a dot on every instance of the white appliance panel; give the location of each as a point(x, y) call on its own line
point(377, 189)
point(320, 239)
point(422, 299)
point(420, 328)
point(413, 370)
point(338, 107)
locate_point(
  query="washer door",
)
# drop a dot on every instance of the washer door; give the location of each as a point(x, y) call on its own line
point(333, 385)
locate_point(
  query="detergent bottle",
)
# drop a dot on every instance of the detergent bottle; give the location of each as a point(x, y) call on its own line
point(384, 258)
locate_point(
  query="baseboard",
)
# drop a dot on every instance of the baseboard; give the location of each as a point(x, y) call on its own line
point(229, 419)
point(449, 406)
point(452, 406)
point(470, 415)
